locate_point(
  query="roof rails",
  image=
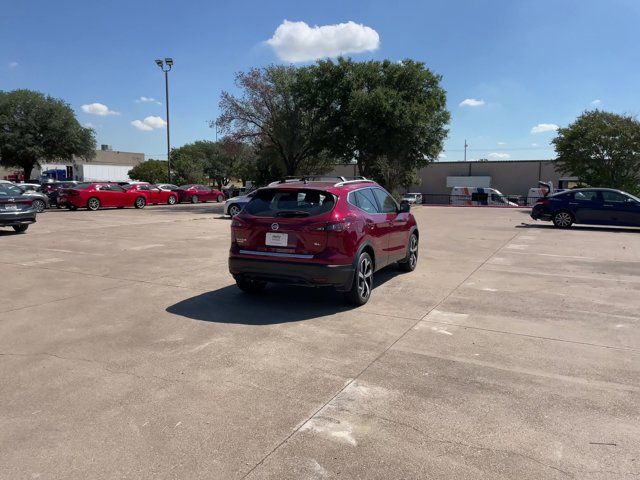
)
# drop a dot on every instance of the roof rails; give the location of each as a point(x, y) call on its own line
point(322, 178)
point(351, 182)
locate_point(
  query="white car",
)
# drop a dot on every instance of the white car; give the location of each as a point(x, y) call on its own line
point(412, 198)
point(234, 205)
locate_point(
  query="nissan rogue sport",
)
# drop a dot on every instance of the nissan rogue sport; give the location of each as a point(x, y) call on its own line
point(321, 233)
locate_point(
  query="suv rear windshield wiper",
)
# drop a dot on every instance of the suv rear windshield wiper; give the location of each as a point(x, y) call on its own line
point(292, 213)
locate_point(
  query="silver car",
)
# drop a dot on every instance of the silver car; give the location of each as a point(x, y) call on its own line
point(32, 190)
point(234, 205)
point(414, 198)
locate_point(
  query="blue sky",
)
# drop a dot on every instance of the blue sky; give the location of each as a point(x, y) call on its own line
point(529, 63)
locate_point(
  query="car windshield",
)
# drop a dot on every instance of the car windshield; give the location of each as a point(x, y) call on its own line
point(634, 197)
point(290, 203)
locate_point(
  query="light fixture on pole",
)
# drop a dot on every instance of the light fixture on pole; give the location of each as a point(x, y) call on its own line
point(165, 66)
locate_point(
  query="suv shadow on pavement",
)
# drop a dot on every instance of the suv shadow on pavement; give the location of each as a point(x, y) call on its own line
point(278, 303)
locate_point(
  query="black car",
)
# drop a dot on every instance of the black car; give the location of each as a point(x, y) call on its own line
point(52, 189)
point(591, 206)
point(16, 209)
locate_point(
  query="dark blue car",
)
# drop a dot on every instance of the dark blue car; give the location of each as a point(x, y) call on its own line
point(592, 206)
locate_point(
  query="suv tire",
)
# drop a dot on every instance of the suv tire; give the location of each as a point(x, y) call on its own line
point(250, 286)
point(409, 264)
point(362, 281)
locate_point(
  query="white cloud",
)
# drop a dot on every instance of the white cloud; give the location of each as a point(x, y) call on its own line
point(12, 65)
point(298, 42)
point(471, 102)
point(149, 123)
point(596, 102)
point(544, 127)
point(89, 125)
point(502, 143)
point(534, 144)
point(499, 156)
point(144, 99)
point(442, 155)
point(98, 109)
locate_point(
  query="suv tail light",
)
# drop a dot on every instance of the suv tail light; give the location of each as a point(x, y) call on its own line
point(543, 201)
point(332, 227)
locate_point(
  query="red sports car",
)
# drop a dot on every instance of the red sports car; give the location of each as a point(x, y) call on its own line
point(199, 193)
point(153, 193)
point(95, 195)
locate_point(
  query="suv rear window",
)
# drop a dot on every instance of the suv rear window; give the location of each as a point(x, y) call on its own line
point(290, 203)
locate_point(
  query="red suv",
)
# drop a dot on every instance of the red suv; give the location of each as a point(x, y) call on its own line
point(321, 233)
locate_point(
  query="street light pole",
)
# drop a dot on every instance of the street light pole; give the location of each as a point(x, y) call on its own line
point(165, 66)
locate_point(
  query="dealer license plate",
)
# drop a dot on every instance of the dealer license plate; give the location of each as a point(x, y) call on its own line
point(11, 207)
point(276, 239)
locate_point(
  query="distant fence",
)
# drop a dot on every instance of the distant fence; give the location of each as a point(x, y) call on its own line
point(478, 200)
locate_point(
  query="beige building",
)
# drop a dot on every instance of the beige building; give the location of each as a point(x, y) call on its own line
point(105, 159)
point(514, 177)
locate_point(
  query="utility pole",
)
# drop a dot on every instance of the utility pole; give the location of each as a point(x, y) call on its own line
point(168, 62)
point(465, 149)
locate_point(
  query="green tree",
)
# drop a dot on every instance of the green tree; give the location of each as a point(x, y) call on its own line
point(35, 127)
point(219, 162)
point(390, 117)
point(602, 149)
point(273, 114)
point(152, 171)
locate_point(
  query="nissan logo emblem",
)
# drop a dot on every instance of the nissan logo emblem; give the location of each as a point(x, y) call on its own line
point(275, 226)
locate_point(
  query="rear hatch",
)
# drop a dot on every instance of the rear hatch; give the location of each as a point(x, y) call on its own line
point(287, 221)
point(14, 203)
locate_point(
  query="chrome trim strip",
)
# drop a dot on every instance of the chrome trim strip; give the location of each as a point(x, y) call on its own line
point(275, 254)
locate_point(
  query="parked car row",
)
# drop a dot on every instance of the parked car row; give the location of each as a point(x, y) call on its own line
point(95, 195)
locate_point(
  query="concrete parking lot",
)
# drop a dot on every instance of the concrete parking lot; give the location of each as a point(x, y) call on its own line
point(126, 351)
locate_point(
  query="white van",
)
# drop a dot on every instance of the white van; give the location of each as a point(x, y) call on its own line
point(543, 189)
point(479, 196)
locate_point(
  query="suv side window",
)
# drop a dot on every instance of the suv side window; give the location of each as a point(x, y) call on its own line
point(586, 196)
point(365, 200)
point(385, 201)
point(614, 197)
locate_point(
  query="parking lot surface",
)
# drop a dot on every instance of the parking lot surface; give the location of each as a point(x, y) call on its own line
point(126, 351)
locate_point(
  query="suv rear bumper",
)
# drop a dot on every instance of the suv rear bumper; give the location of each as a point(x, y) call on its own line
point(338, 276)
point(9, 219)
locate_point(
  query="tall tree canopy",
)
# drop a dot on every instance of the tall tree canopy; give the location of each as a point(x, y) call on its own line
point(272, 114)
point(602, 149)
point(390, 117)
point(36, 127)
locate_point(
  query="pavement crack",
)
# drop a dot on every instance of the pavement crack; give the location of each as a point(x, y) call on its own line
point(461, 444)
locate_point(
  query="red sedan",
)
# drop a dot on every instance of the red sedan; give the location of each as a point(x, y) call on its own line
point(153, 193)
point(199, 193)
point(95, 195)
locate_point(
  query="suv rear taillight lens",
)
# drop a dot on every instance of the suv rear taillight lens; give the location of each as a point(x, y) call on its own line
point(543, 201)
point(332, 227)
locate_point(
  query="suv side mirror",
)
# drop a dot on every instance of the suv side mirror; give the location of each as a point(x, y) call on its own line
point(405, 206)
